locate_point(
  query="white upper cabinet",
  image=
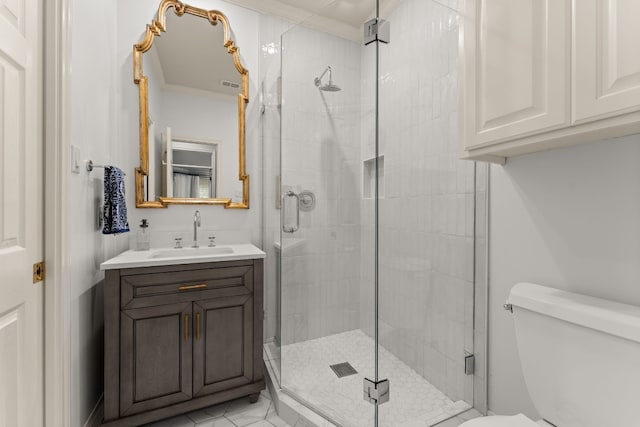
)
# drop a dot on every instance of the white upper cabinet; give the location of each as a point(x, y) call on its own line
point(607, 58)
point(540, 74)
point(516, 69)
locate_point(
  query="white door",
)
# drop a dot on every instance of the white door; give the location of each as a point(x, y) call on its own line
point(607, 58)
point(21, 213)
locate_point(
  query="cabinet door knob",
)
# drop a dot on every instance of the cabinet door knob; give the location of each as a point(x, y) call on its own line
point(186, 327)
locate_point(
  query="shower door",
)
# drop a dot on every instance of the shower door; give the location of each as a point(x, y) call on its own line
point(325, 351)
point(377, 232)
point(425, 225)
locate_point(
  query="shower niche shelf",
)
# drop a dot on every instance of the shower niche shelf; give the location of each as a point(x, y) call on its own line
point(369, 177)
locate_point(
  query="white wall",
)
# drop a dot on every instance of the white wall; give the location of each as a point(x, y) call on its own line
point(94, 130)
point(569, 219)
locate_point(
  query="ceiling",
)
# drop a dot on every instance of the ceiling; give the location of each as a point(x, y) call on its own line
point(350, 12)
point(344, 18)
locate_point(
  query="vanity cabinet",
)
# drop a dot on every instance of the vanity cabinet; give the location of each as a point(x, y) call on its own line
point(181, 337)
point(156, 363)
point(542, 74)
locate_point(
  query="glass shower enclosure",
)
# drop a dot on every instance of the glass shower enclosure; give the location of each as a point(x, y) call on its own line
point(378, 233)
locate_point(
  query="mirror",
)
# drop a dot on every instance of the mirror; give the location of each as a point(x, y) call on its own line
point(193, 91)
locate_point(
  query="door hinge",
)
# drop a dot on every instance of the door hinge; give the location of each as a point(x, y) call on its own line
point(376, 30)
point(38, 272)
point(469, 363)
point(376, 392)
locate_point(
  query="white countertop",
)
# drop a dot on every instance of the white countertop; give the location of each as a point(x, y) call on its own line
point(172, 256)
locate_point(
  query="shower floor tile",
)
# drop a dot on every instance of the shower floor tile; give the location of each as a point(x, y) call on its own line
point(307, 374)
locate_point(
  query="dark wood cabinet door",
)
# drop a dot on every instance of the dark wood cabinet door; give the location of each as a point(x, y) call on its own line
point(223, 344)
point(156, 357)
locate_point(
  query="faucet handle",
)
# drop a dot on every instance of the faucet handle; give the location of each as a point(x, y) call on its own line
point(178, 242)
point(212, 242)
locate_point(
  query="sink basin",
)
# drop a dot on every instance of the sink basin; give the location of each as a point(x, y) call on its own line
point(192, 252)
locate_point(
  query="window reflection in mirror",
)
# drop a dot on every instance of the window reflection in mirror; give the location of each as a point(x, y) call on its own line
point(189, 167)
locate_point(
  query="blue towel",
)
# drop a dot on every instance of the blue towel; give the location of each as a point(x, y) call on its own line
point(115, 209)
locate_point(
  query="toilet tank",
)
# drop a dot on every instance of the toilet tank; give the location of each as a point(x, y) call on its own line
point(580, 356)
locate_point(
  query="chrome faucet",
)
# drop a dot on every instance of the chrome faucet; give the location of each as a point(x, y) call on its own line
point(196, 224)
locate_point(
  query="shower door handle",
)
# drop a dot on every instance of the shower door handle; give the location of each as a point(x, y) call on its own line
point(287, 228)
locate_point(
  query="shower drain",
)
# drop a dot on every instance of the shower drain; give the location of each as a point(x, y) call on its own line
point(343, 369)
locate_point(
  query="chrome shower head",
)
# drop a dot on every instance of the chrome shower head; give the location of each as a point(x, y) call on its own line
point(329, 87)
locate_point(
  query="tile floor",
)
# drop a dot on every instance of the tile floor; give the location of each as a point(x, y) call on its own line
point(237, 413)
point(414, 401)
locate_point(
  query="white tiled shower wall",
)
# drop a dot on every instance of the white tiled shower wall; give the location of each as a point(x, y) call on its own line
point(427, 212)
point(320, 153)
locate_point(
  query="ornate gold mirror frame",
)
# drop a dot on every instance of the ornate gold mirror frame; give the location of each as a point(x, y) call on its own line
point(153, 30)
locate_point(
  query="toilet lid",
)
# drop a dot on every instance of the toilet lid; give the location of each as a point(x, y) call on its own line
point(503, 421)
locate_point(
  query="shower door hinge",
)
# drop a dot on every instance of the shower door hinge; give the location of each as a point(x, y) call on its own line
point(376, 392)
point(376, 30)
point(469, 363)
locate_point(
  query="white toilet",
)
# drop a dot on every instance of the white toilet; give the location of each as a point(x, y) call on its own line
point(580, 358)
